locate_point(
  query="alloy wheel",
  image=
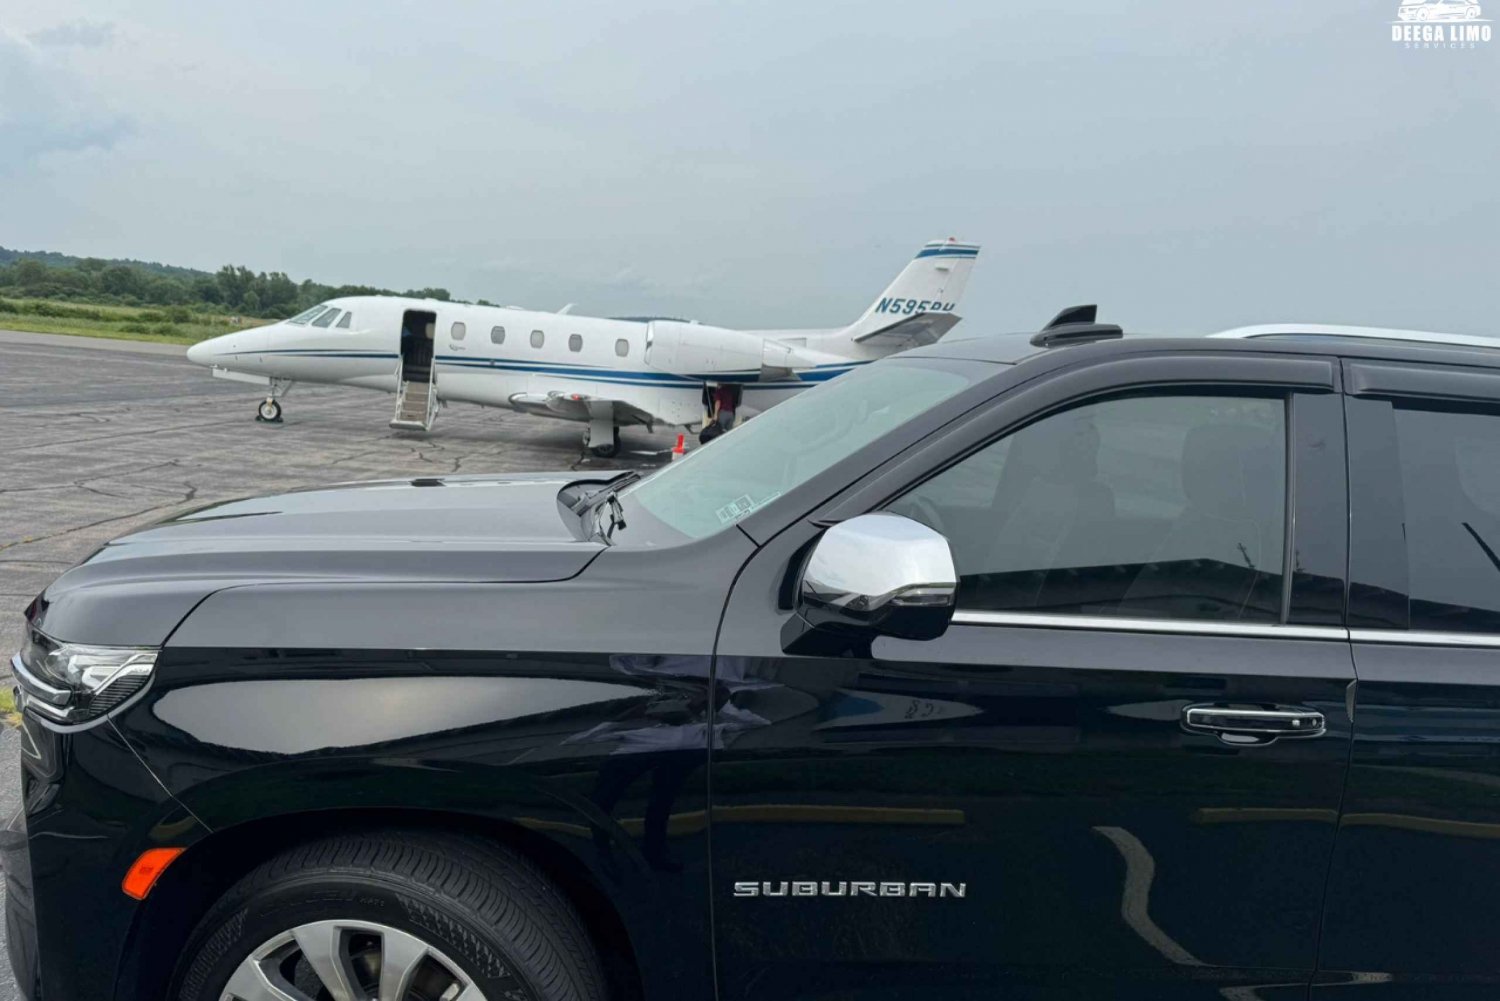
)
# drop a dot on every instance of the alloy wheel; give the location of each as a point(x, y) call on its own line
point(348, 961)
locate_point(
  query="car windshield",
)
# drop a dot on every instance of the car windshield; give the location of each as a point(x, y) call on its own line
point(718, 484)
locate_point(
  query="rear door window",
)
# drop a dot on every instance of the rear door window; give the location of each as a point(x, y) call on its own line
point(1450, 481)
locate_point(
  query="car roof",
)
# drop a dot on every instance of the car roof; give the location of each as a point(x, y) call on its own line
point(1281, 338)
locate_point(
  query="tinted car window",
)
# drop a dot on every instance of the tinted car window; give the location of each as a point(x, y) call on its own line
point(1450, 473)
point(1151, 506)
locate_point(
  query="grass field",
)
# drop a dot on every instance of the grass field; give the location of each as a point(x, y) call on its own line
point(167, 324)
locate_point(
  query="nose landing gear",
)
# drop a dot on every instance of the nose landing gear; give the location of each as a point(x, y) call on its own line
point(269, 410)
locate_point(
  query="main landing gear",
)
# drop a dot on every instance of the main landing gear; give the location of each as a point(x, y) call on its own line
point(603, 437)
point(269, 410)
point(608, 445)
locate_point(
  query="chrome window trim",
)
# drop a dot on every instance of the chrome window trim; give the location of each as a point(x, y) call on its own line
point(1417, 637)
point(1189, 627)
point(1184, 627)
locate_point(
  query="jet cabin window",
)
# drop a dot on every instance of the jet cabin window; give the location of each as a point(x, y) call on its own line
point(575, 343)
point(459, 331)
point(326, 319)
point(622, 347)
point(497, 335)
point(538, 338)
point(1150, 506)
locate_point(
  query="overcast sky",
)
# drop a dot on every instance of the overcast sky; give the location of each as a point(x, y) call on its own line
point(1188, 166)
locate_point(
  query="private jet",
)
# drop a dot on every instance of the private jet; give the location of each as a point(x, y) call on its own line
point(605, 373)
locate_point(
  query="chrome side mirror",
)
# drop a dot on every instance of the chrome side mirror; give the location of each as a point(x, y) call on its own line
point(879, 575)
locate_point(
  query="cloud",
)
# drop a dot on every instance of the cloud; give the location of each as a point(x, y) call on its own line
point(45, 109)
point(76, 34)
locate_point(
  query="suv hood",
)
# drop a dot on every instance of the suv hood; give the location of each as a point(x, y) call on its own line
point(507, 529)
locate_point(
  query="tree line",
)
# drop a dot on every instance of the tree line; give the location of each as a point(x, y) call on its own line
point(232, 288)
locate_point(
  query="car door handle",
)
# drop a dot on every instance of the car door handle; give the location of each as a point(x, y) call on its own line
point(1251, 726)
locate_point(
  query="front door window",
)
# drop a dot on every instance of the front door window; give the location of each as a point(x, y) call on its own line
point(1145, 506)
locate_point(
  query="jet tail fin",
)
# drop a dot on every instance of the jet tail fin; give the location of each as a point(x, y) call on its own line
point(929, 288)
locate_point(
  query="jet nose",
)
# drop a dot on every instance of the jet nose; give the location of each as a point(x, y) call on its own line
point(205, 352)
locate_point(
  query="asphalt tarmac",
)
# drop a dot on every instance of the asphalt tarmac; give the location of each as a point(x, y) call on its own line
point(99, 437)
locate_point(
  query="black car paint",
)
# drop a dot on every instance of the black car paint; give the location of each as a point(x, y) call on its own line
point(1070, 783)
point(596, 742)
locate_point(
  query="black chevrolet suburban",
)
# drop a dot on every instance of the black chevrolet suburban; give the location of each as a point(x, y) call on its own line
point(1061, 666)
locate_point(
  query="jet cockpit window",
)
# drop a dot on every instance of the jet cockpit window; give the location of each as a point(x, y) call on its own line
point(326, 320)
point(459, 331)
point(497, 335)
point(307, 314)
point(343, 323)
point(575, 343)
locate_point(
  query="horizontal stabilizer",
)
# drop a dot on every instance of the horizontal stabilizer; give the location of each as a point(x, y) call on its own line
point(913, 331)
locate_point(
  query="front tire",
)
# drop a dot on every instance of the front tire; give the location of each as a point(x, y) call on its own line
point(269, 411)
point(393, 916)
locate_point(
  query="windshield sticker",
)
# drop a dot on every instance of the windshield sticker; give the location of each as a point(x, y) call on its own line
point(743, 505)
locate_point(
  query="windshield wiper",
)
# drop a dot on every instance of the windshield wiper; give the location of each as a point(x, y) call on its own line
point(580, 501)
point(607, 496)
point(616, 517)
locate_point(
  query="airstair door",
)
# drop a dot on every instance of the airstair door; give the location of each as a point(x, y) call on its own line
point(416, 396)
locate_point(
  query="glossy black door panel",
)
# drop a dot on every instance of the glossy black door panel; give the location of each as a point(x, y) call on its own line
point(1412, 893)
point(1416, 873)
point(1084, 822)
point(1039, 763)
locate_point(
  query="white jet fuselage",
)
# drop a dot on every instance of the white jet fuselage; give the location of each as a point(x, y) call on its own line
point(485, 355)
point(608, 372)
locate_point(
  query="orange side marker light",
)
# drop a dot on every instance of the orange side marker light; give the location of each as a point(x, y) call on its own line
point(147, 870)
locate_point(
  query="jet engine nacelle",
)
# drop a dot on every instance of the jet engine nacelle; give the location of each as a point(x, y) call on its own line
point(697, 349)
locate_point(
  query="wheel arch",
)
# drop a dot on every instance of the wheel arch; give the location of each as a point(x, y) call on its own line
point(213, 864)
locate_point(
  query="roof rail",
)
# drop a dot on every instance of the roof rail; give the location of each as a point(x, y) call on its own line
point(1075, 325)
point(1363, 333)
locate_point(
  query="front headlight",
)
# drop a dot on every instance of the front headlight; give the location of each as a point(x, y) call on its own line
point(75, 683)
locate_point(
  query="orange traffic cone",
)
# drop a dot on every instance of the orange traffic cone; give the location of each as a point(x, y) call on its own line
point(679, 449)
